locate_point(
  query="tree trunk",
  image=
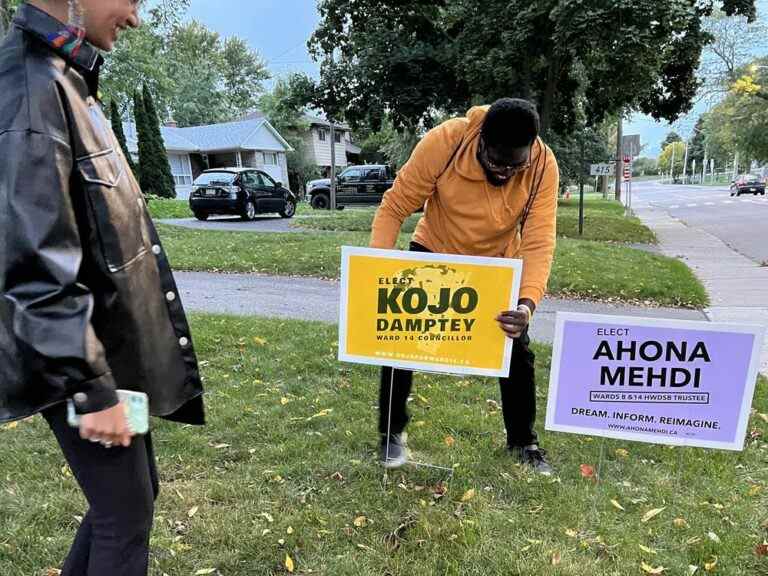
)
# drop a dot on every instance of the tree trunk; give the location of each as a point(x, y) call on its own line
point(548, 98)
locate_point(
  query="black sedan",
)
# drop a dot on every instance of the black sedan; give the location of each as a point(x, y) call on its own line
point(747, 184)
point(243, 192)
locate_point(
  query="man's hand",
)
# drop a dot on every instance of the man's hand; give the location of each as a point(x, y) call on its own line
point(110, 427)
point(514, 322)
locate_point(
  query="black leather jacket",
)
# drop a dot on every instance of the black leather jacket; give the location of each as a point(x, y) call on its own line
point(88, 304)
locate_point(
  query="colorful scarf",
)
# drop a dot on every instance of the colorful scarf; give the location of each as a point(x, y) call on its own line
point(68, 40)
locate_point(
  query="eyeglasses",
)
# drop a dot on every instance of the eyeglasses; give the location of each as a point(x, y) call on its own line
point(505, 168)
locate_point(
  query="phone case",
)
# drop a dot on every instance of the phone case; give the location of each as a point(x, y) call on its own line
point(136, 411)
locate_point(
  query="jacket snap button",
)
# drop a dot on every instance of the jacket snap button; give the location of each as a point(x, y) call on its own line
point(80, 398)
point(183, 341)
point(170, 296)
point(156, 249)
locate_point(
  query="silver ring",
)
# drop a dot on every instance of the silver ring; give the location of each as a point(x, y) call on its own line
point(107, 444)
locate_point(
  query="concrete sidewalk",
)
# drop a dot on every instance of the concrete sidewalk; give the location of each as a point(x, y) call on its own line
point(737, 286)
point(313, 299)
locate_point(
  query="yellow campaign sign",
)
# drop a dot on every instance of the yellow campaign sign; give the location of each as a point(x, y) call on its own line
point(422, 311)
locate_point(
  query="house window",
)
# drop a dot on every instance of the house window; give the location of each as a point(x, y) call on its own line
point(321, 134)
point(270, 159)
point(337, 137)
point(181, 169)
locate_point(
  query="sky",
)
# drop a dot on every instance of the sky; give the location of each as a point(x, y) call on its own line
point(279, 30)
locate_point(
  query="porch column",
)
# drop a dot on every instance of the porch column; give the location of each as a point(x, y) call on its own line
point(239, 159)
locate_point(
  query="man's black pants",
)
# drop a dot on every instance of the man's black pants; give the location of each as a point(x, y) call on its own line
point(518, 392)
point(120, 485)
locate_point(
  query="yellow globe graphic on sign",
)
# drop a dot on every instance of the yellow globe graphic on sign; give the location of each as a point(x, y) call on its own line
point(432, 278)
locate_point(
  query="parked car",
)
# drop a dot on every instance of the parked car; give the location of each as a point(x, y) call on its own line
point(245, 192)
point(355, 186)
point(747, 184)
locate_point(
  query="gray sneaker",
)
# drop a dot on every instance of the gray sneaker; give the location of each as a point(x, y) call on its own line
point(393, 453)
point(534, 457)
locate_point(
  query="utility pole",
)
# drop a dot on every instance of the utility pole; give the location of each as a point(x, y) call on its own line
point(685, 162)
point(672, 166)
point(736, 165)
point(333, 166)
point(619, 159)
point(706, 158)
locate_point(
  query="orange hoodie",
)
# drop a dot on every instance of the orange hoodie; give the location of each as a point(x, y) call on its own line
point(464, 213)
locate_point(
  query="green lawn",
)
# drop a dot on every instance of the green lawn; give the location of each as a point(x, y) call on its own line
point(286, 469)
point(595, 270)
point(165, 208)
point(162, 208)
point(603, 220)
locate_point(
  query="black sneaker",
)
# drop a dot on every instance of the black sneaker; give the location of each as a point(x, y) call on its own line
point(534, 457)
point(394, 453)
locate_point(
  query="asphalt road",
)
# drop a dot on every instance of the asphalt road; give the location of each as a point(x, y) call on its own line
point(741, 223)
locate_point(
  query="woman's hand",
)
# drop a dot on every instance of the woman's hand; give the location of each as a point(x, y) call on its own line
point(110, 427)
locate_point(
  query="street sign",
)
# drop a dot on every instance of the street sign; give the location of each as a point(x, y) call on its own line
point(627, 167)
point(602, 169)
point(630, 145)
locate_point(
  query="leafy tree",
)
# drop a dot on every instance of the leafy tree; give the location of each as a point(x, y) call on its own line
point(645, 166)
point(244, 72)
point(7, 10)
point(739, 122)
point(665, 160)
point(157, 174)
point(283, 106)
point(411, 58)
point(195, 76)
point(671, 137)
point(144, 138)
point(698, 144)
point(735, 40)
point(117, 128)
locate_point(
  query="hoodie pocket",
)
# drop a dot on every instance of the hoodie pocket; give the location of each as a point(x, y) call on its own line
point(117, 211)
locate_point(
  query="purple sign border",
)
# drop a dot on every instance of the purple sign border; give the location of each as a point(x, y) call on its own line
point(737, 444)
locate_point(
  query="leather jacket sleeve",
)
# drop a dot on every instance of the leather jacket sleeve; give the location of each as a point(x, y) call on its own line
point(43, 253)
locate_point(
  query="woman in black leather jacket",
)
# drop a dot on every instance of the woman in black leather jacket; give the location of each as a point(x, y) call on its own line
point(88, 304)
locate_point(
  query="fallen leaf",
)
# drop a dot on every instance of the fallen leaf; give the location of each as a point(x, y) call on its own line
point(762, 549)
point(648, 569)
point(646, 549)
point(617, 505)
point(468, 495)
point(754, 490)
point(259, 341)
point(449, 441)
point(556, 558)
point(284, 400)
point(714, 537)
point(587, 471)
point(571, 533)
point(289, 563)
point(289, 530)
point(652, 514)
point(221, 446)
point(10, 426)
point(337, 476)
point(622, 453)
point(267, 516)
point(764, 417)
point(711, 565)
point(321, 414)
point(360, 521)
point(679, 523)
point(692, 569)
point(204, 571)
point(192, 511)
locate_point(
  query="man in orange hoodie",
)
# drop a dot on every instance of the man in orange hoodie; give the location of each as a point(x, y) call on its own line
point(488, 185)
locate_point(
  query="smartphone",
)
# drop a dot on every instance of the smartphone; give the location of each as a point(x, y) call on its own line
point(136, 411)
